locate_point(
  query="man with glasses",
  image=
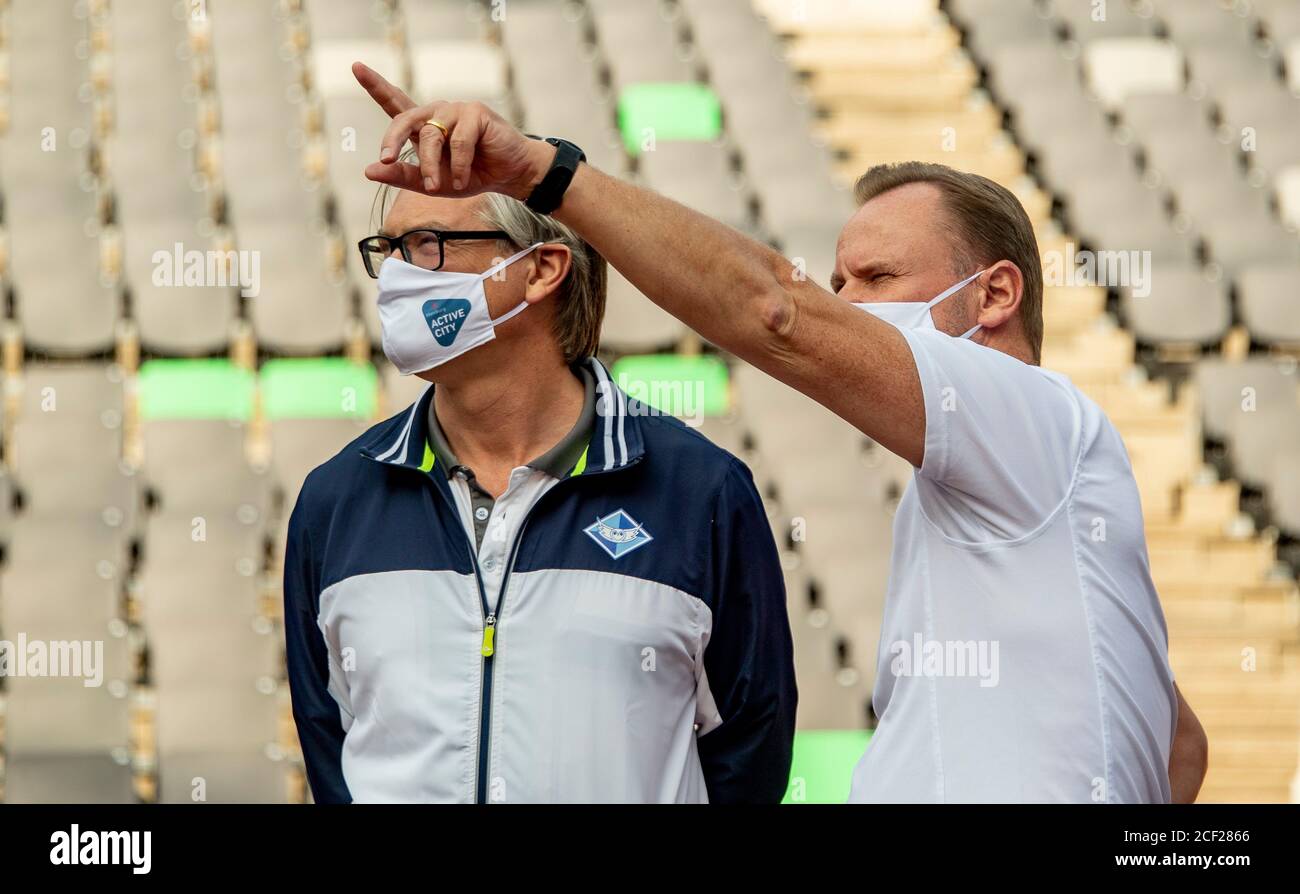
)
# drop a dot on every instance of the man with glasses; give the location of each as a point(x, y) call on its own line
point(523, 588)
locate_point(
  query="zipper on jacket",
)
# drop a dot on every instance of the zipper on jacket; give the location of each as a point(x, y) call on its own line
point(492, 620)
point(486, 647)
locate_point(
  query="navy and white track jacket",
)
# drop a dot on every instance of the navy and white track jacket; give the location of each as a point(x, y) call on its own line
point(664, 674)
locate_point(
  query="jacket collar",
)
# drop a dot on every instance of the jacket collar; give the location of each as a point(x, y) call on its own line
point(616, 440)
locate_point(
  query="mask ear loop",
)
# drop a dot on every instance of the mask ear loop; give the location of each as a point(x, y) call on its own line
point(522, 305)
point(497, 268)
point(950, 290)
point(957, 288)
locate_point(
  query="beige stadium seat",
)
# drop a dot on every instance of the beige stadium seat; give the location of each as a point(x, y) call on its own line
point(274, 208)
point(1001, 161)
point(869, 53)
point(222, 777)
point(633, 323)
point(66, 448)
point(84, 777)
point(640, 43)
point(1209, 507)
point(465, 69)
point(1257, 437)
point(1281, 20)
point(299, 445)
point(353, 129)
point(1195, 24)
point(1095, 356)
point(852, 589)
point(1263, 112)
point(1291, 62)
point(1068, 309)
point(174, 448)
point(812, 250)
point(1230, 389)
point(399, 391)
point(699, 175)
point(220, 719)
point(1088, 22)
point(974, 126)
point(1287, 187)
point(157, 190)
point(53, 232)
point(837, 16)
point(1118, 66)
point(1284, 489)
point(448, 19)
point(61, 716)
point(346, 19)
point(789, 206)
point(900, 93)
point(1267, 300)
point(829, 698)
point(64, 569)
point(830, 531)
point(1184, 306)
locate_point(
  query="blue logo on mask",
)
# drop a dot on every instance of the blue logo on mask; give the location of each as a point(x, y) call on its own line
point(445, 316)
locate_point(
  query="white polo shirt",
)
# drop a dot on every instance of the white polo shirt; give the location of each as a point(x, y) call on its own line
point(494, 524)
point(1023, 652)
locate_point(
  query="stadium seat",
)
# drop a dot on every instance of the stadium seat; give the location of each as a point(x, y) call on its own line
point(1230, 388)
point(1267, 296)
point(64, 303)
point(633, 323)
point(1118, 66)
point(314, 408)
point(1255, 438)
point(194, 414)
point(823, 765)
point(682, 386)
point(72, 778)
point(1184, 306)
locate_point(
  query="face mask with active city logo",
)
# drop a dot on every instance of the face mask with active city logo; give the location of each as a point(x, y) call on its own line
point(915, 314)
point(428, 317)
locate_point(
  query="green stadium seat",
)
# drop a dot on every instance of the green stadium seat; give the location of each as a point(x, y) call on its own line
point(314, 407)
point(671, 111)
point(822, 771)
point(686, 387)
point(318, 388)
point(195, 389)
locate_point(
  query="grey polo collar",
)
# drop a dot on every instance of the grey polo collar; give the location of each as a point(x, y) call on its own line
point(556, 462)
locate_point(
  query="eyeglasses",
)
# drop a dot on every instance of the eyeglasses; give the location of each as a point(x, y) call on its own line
point(423, 248)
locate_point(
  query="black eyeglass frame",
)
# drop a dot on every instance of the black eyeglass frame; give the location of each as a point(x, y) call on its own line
point(443, 237)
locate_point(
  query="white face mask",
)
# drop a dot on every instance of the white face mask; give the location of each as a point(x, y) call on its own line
point(431, 316)
point(916, 314)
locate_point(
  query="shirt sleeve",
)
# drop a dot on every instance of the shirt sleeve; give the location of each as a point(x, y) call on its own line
point(1001, 439)
point(749, 658)
point(315, 712)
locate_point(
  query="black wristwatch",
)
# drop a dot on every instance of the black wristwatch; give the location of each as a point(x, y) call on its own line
point(548, 194)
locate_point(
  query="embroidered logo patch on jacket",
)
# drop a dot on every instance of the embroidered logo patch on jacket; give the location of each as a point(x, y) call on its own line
point(618, 534)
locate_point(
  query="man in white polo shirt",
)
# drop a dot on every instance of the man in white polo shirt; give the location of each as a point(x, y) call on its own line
point(1021, 539)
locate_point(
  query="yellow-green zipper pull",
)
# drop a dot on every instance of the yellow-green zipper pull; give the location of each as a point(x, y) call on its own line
point(489, 632)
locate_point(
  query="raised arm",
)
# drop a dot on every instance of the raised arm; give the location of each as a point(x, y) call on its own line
point(733, 290)
point(1188, 756)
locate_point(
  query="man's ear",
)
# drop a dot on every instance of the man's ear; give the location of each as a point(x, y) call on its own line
point(1003, 285)
point(550, 266)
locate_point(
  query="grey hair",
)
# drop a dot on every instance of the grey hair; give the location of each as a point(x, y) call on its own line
point(580, 307)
